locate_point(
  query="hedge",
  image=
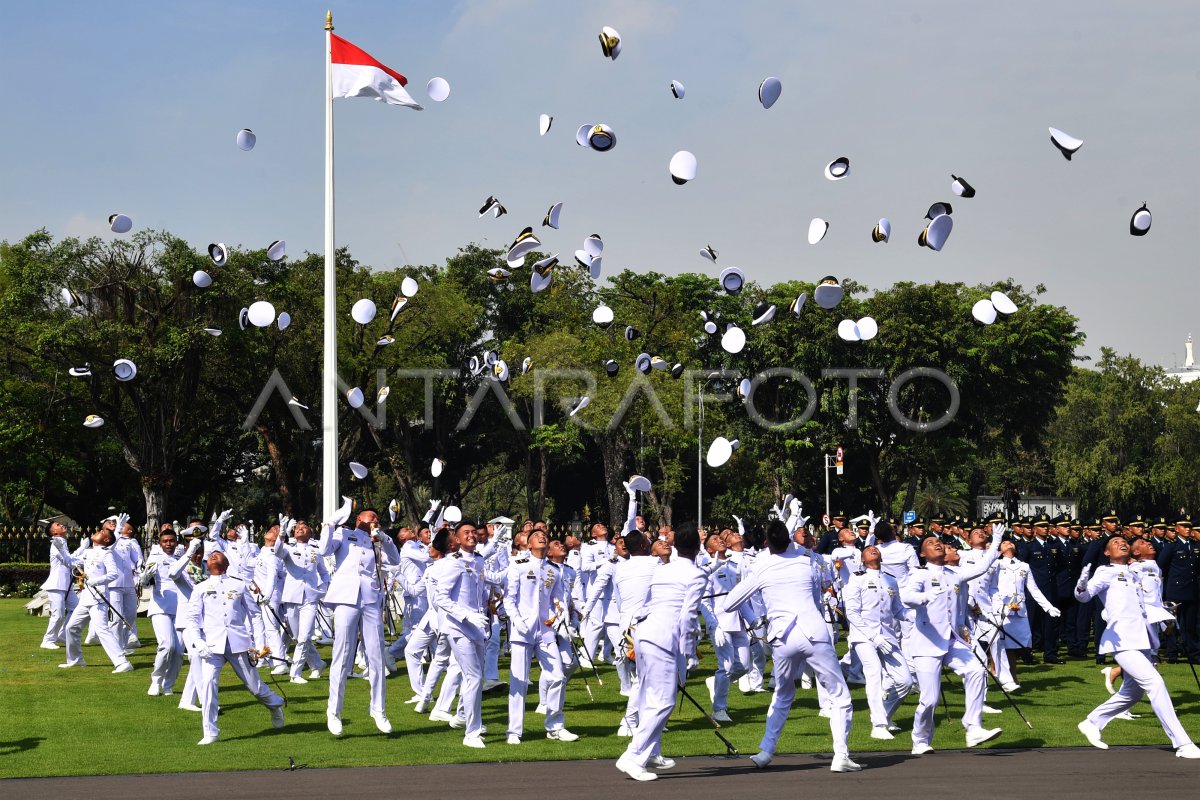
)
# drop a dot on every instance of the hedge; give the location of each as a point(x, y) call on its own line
point(15, 574)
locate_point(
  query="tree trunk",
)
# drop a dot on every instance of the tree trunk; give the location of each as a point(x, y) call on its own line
point(282, 480)
point(877, 482)
point(539, 507)
point(156, 498)
point(612, 452)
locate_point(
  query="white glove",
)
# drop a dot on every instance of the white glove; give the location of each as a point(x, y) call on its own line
point(122, 520)
point(203, 650)
point(801, 520)
point(997, 533)
point(503, 533)
point(692, 664)
point(291, 526)
point(60, 542)
point(883, 645)
point(1053, 612)
point(480, 621)
point(283, 523)
point(872, 520)
point(776, 512)
point(192, 547)
point(1081, 584)
point(433, 504)
point(243, 531)
point(225, 516)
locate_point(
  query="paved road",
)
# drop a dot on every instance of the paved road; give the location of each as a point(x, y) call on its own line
point(1058, 773)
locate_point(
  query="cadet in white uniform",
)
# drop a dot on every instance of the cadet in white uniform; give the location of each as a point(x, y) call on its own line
point(568, 604)
point(730, 640)
point(1007, 620)
point(356, 597)
point(165, 602)
point(304, 582)
point(426, 633)
point(267, 591)
point(127, 553)
point(529, 606)
point(460, 586)
point(792, 591)
point(874, 610)
point(592, 555)
point(219, 623)
point(631, 584)
point(937, 640)
point(60, 596)
point(665, 635)
point(1127, 638)
point(100, 569)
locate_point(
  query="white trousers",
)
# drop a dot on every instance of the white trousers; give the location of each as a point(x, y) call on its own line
point(125, 600)
point(592, 631)
point(272, 632)
point(733, 661)
point(469, 655)
point(545, 647)
point(1139, 679)
point(614, 635)
point(190, 696)
point(789, 658)
point(887, 681)
point(302, 619)
point(61, 603)
point(210, 676)
point(566, 657)
point(491, 659)
point(658, 682)
point(348, 622)
point(929, 680)
point(418, 644)
point(98, 614)
point(168, 658)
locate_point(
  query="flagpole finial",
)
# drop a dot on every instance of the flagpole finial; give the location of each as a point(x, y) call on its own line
point(328, 20)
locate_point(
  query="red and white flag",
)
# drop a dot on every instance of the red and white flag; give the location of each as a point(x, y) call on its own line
point(357, 74)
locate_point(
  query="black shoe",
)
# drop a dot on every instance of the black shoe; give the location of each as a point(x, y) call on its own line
point(1172, 659)
point(1027, 659)
point(1101, 659)
point(1052, 660)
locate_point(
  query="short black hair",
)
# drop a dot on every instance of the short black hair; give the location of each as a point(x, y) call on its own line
point(636, 542)
point(441, 541)
point(687, 540)
point(884, 532)
point(463, 523)
point(779, 538)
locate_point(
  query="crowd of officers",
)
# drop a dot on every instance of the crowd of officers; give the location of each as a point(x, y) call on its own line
point(452, 595)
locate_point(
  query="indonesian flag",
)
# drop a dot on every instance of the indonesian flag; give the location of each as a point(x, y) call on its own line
point(357, 74)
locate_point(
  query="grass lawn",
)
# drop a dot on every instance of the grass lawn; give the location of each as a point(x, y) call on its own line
point(87, 721)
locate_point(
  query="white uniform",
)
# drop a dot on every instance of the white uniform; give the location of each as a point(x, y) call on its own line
point(937, 639)
point(304, 581)
point(219, 624)
point(1006, 619)
point(356, 598)
point(664, 637)
point(426, 632)
point(593, 554)
point(267, 591)
point(729, 633)
point(631, 582)
point(874, 610)
point(123, 594)
point(166, 601)
point(60, 595)
point(460, 586)
point(1127, 638)
point(599, 602)
point(792, 592)
point(529, 606)
point(568, 601)
point(101, 569)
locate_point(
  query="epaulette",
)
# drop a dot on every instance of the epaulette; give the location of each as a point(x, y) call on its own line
point(861, 572)
point(456, 554)
point(614, 559)
point(521, 559)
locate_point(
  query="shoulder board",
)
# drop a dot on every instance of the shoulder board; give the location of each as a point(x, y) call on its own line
point(614, 560)
point(861, 572)
point(456, 554)
point(521, 559)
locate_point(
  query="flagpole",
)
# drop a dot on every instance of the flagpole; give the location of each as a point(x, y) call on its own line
point(330, 497)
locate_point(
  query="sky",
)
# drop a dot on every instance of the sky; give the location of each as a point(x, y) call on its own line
point(134, 107)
